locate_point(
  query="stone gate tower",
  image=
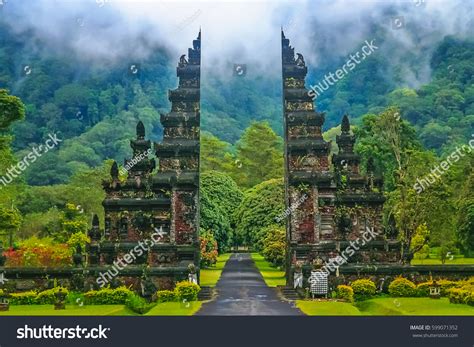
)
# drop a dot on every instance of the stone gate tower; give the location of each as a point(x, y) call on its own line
point(331, 205)
point(160, 210)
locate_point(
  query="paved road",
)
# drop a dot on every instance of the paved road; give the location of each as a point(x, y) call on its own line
point(242, 291)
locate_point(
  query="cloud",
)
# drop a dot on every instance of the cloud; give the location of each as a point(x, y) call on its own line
point(109, 31)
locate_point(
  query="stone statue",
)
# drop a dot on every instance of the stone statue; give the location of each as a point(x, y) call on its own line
point(182, 61)
point(192, 276)
point(60, 302)
point(300, 60)
point(298, 275)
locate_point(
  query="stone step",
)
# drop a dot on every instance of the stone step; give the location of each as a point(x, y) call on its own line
point(288, 293)
point(206, 293)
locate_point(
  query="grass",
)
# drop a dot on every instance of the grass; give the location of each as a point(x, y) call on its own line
point(175, 309)
point(162, 309)
point(71, 310)
point(273, 276)
point(455, 261)
point(386, 307)
point(210, 276)
point(327, 308)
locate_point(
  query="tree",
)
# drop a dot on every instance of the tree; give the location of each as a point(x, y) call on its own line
point(465, 218)
point(219, 198)
point(10, 220)
point(11, 109)
point(213, 153)
point(389, 127)
point(260, 207)
point(259, 155)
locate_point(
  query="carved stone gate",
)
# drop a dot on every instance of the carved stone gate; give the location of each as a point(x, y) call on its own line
point(155, 217)
point(331, 206)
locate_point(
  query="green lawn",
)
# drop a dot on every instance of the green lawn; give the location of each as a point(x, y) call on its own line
point(163, 309)
point(455, 261)
point(325, 308)
point(387, 307)
point(210, 276)
point(71, 310)
point(273, 276)
point(175, 309)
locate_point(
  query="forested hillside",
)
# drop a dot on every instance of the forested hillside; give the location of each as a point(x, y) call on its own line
point(93, 106)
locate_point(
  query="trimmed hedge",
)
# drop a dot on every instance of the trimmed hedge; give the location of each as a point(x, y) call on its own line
point(165, 296)
point(108, 296)
point(363, 289)
point(187, 291)
point(24, 298)
point(345, 292)
point(402, 287)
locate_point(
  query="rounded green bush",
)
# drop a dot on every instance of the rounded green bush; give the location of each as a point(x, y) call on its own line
point(165, 296)
point(363, 289)
point(187, 291)
point(48, 297)
point(345, 293)
point(402, 287)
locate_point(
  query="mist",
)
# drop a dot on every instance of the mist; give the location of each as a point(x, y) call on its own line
point(104, 32)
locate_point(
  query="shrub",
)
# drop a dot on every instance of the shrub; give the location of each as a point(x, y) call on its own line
point(187, 291)
point(139, 305)
point(363, 289)
point(75, 298)
point(47, 297)
point(423, 289)
point(165, 296)
point(208, 249)
point(345, 292)
point(39, 252)
point(108, 296)
point(402, 287)
point(462, 295)
point(274, 245)
point(24, 298)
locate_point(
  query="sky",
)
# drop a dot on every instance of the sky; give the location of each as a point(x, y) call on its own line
point(234, 32)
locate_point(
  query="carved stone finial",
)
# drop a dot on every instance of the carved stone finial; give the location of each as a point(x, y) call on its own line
point(140, 130)
point(114, 171)
point(345, 125)
point(300, 60)
point(182, 61)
